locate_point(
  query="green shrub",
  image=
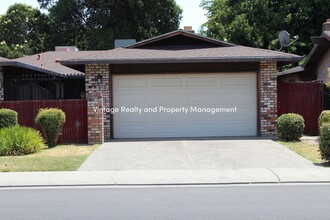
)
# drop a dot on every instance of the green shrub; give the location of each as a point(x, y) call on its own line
point(51, 121)
point(16, 140)
point(8, 118)
point(290, 127)
point(324, 141)
point(324, 117)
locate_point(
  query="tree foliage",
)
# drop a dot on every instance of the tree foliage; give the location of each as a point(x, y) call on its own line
point(257, 22)
point(23, 30)
point(87, 24)
point(95, 24)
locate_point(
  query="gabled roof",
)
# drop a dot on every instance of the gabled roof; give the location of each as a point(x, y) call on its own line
point(49, 63)
point(186, 38)
point(192, 49)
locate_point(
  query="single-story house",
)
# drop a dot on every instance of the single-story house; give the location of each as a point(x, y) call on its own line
point(317, 64)
point(3, 61)
point(42, 77)
point(181, 84)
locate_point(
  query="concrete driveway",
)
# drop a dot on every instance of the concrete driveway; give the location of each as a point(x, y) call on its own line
point(192, 154)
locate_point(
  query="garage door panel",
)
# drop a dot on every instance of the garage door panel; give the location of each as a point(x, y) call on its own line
point(197, 98)
point(225, 90)
point(166, 82)
point(240, 128)
point(128, 99)
point(238, 97)
point(167, 97)
point(167, 128)
point(131, 129)
point(131, 118)
point(131, 82)
point(201, 81)
point(204, 128)
point(169, 118)
point(236, 80)
point(236, 89)
point(200, 118)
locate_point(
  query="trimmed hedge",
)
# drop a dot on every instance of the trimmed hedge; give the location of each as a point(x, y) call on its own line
point(324, 141)
point(290, 127)
point(51, 121)
point(8, 118)
point(16, 141)
point(324, 117)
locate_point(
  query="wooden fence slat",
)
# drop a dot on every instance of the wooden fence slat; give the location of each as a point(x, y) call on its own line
point(75, 127)
point(304, 98)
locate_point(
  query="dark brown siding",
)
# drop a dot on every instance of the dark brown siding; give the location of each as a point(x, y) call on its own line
point(181, 68)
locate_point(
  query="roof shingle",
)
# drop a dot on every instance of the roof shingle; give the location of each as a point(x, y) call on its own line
point(49, 62)
point(184, 55)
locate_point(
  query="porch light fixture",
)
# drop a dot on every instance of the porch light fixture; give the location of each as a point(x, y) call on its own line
point(99, 79)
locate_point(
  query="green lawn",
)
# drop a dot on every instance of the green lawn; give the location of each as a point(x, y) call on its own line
point(60, 158)
point(308, 150)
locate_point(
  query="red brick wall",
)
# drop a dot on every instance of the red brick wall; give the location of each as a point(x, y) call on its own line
point(268, 98)
point(98, 96)
point(1, 85)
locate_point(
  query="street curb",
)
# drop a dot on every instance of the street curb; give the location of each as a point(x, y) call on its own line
point(165, 177)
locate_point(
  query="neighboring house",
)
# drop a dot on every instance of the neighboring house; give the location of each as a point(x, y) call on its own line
point(42, 77)
point(176, 70)
point(3, 61)
point(317, 64)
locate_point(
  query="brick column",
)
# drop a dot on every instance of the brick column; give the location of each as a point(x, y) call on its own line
point(268, 98)
point(2, 96)
point(95, 118)
point(97, 93)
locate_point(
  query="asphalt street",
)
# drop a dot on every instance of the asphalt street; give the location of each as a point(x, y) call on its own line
point(167, 202)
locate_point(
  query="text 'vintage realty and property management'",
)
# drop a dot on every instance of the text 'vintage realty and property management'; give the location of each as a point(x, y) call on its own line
point(169, 110)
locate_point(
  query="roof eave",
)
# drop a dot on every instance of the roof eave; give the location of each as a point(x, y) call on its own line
point(291, 71)
point(6, 63)
point(182, 60)
point(39, 69)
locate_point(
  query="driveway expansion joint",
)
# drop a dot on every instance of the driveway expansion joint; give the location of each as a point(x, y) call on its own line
point(277, 176)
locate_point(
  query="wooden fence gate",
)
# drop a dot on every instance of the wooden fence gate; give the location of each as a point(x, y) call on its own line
point(75, 127)
point(304, 98)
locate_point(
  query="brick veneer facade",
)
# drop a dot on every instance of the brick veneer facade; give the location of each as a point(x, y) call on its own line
point(98, 97)
point(268, 98)
point(1, 85)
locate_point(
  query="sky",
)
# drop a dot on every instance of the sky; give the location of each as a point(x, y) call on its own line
point(193, 15)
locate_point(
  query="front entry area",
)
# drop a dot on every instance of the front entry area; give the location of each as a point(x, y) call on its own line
point(185, 105)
